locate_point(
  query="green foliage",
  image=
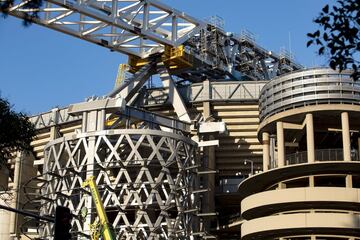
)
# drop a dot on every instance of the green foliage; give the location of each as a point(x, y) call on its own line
point(16, 131)
point(29, 17)
point(339, 35)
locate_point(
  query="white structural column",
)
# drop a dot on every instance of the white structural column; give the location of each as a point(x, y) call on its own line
point(90, 169)
point(15, 202)
point(210, 160)
point(53, 129)
point(266, 150)
point(346, 136)
point(280, 144)
point(310, 138)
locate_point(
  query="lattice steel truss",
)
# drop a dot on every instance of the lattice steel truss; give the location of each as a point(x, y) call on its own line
point(144, 28)
point(145, 177)
point(135, 27)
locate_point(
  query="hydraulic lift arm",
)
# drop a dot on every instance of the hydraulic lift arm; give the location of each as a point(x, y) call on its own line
point(106, 227)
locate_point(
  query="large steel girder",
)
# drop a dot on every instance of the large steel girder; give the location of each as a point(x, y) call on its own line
point(133, 27)
point(145, 179)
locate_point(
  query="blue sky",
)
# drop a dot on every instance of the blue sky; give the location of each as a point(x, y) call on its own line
point(42, 69)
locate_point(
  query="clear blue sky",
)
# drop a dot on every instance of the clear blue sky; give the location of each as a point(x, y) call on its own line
point(41, 69)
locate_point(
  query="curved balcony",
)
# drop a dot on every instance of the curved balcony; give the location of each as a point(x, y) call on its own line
point(321, 155)
point(308, 87)
point(277, 201)
point(302, 224)
point(263, 181)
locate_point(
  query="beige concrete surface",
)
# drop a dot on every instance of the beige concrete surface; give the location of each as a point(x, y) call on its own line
point(321, 197)
point(262, 181)
point(301, 223)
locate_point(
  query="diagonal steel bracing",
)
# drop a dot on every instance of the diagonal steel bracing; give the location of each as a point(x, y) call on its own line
point(145, 179)
point(135, 27)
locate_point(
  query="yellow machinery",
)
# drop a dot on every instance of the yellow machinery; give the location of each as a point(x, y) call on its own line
point(175, 58)
point(105, 227)
point(121, 75)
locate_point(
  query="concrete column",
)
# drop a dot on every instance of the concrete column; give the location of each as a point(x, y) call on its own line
point(280, 144)
point(272, 151)
point(348, 181)
point(90, 171)
point(346, 136)
point(53, 132)
point(23, 172)
point(15, 201)
point(310, 142)
point(281, 185)
point(210, 161)
point(358, 149)
point(206, 109)
point(311, 181)
point(266, 151)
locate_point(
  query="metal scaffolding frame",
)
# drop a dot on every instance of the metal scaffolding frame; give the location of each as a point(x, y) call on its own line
point(147, 177)
point(132, 27)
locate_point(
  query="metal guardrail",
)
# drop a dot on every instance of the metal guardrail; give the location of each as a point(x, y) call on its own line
point(320, 156)
point(308, 87)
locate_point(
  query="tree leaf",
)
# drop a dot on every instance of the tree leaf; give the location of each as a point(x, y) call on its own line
point(309, 43)
point(326, 9)
point(326, 37)
point(310, 35)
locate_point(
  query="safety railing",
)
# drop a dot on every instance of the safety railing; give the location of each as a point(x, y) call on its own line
point(308, 87)
point(321, 155)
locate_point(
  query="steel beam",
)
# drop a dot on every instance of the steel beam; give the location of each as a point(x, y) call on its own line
point(173, 94)
point(130, 27)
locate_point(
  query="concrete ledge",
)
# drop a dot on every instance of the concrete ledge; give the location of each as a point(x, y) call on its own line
point(260, 182)
point(333, 224)
point(276, 201)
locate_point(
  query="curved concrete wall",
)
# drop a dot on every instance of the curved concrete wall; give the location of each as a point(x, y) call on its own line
point(261, 182)
point(301, 115)
point(296, 198)
point(313, 86)
point(301, 224)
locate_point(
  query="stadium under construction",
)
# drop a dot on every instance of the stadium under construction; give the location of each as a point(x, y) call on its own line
point(238, 142)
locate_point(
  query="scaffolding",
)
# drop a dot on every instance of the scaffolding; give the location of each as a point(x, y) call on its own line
point(146, 178)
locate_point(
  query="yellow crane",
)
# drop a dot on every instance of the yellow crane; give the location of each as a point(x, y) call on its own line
point(106, 228)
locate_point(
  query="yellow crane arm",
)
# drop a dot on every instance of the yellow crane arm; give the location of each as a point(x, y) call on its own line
point(107, 230)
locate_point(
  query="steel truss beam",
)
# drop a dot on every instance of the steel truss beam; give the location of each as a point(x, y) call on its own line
point(144, 27)
point(135, 27)
point(173, 94)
